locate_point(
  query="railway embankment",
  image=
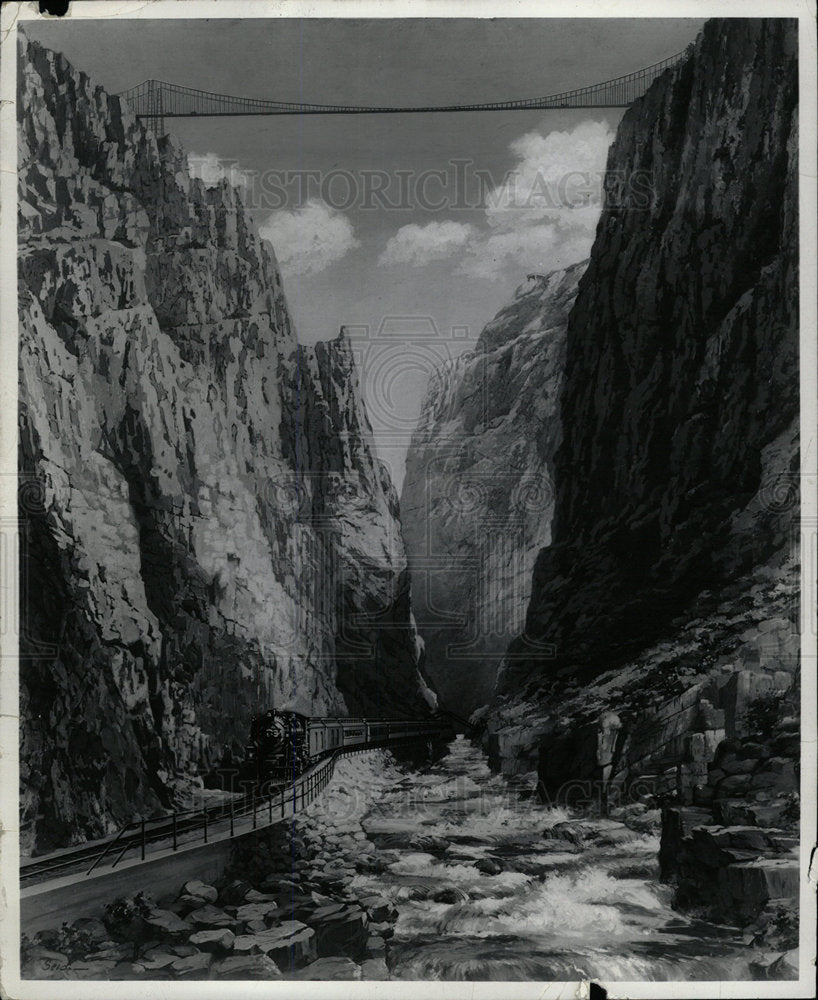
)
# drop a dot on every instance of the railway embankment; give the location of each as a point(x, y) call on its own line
point(286, 906)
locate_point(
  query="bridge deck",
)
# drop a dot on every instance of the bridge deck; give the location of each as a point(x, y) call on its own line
point(157, 100)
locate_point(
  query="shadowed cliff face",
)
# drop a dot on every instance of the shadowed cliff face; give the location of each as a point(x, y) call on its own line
point(678, 462)
point(478, 496)
point(208, 531)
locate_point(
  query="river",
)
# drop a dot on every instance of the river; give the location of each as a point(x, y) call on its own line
point(551, 912)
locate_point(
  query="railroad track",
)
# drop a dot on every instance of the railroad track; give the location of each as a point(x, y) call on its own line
point(191, 828)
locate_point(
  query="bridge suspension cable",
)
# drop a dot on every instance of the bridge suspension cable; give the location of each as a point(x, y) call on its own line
point(156, 100)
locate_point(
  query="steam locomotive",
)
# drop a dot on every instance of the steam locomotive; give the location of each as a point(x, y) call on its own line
point(284, 744)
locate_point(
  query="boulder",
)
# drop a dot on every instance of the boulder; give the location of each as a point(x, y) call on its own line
point(601, 832)
point(157, 958)
point(488, 866)
point(182, 950)
point(290, 944)
point(220, 939)
point(245, 967)
point(330, 967)
point(379, 909)
point(233, 892)
point(192, 966)
point(167, 925)
point(211, 916)
point(340, 931)
point(428, 844)
point(448, 894)
point(204, 891)
point(266, 911)
point(752, 883)
point(374, 969)
point(254, 896)
point(775, 966)
point(385, 929)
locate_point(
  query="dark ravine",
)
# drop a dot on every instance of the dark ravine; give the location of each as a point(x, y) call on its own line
point(478, 496)
point(188, 473)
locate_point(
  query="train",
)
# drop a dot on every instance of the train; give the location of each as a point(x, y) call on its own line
point(282, 744)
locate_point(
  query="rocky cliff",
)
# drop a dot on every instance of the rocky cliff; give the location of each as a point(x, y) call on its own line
point(680, 404)
point(478, 495)
point(208, 530)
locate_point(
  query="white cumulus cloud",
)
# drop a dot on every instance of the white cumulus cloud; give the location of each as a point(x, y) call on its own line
point(534, 248)
point(212, 170)
point(418, 245)
point(311, 238)
point(557, 176)
point(541, 217)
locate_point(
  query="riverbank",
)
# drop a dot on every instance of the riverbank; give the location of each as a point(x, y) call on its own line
point(448, 872)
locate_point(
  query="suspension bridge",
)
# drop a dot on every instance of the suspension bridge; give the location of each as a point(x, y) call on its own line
point(156, 100)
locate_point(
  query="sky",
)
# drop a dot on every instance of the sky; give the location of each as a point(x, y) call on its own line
point(411, 230)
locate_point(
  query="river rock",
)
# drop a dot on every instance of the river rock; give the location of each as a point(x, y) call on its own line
point(157, 958)
point(220, 939)
point(211, 916)
point(290, 944)
point(167, 925)
point(331, 967)
point(488, 866)
point(183, 950)
point(379, 909)
point(384, 929)
point(375, 945)
point(185, 903)
point(340, 931)
point(374, 969)
point(192, 966)
point(427, 844)
point(775, 967)
point(233, 891)
point(602, 832)
point(208, 893)
point(266, 911)
point(254, 896)
point(245, 967)
point(448, 894)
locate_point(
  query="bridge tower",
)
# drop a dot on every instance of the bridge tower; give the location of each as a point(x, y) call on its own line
point(155, 113)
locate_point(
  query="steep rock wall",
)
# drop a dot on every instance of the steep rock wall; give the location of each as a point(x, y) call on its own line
point(678, 466)
point(478, 495)
point(208, 530)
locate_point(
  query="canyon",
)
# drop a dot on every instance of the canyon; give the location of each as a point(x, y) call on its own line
point(661, 616)
point(209, 531)
point(595, 555)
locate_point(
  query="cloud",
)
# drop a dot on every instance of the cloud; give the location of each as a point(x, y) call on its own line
point(539, 248)
point(311, 238)
point(418, 245)
point(557, 176)
point(542, 216)
point(212, 170)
